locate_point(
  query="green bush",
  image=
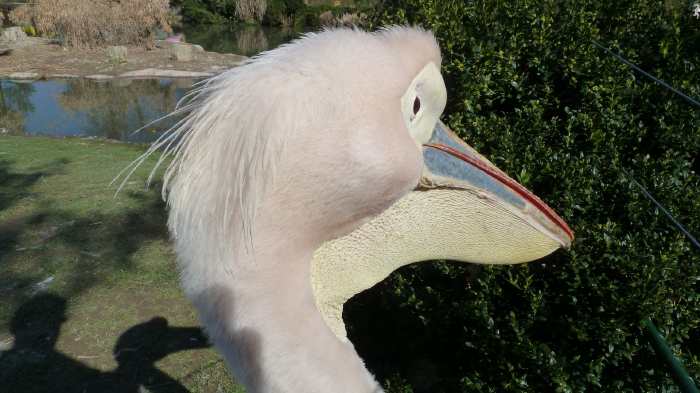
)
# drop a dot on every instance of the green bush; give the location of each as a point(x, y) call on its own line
point(528, 89)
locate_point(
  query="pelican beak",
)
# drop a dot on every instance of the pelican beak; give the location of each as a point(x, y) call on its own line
point(452, 164)
point(464, 209)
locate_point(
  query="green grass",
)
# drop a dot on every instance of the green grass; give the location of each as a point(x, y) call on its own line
point(112, 317)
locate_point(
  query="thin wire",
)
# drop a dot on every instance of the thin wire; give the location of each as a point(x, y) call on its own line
point(648, 75)
point(663, 209)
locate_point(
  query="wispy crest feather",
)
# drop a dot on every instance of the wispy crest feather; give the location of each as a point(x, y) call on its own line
point(223, 154)
point(225, 150)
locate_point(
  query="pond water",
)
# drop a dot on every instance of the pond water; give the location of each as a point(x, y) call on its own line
point(84, 108)
point(241, 39)
point(115, 109)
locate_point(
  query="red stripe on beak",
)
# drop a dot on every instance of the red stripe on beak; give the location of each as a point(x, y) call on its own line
point(510, 183)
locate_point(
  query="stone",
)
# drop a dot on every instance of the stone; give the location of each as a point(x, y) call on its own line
point(63, 76)
point(326, 19)
point(23, 75)
point(42, 286)
point(116, 54)
point(197, 48)
point(99, 77)
point(182, 52)
point(158, 73)
point(13, 34)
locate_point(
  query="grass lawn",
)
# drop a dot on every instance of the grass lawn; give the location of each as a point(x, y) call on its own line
point(89, 285)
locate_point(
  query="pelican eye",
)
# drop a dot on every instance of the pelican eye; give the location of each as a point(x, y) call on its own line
point(416, 105)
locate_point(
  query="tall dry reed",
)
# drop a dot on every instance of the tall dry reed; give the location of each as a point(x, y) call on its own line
point(21, 16)
point(250, 10)
point(101, 22)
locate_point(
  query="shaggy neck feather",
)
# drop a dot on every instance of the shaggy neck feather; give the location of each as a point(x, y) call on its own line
point(274, 339)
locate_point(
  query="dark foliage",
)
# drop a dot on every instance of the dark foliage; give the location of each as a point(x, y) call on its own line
point(206, 11)
point(221, 11)
point(528, 89)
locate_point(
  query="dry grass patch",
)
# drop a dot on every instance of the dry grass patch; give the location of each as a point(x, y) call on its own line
point(91, 23)
point(251, 10)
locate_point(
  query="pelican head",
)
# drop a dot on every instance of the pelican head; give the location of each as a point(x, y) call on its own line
point(310, 174)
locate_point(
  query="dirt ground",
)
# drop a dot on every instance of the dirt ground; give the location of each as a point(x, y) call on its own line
point(47, 60)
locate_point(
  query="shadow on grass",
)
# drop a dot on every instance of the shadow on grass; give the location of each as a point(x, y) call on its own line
point(33, 365)
point(81, 250)
point(48, 255)
point(107, 243)
point(15, 186)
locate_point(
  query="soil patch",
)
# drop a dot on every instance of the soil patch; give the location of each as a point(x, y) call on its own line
point(39, 58)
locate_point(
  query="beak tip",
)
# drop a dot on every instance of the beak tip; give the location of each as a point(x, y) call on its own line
point(569, 236)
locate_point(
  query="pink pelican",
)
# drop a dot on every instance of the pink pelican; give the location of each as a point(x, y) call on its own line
point(311, 173)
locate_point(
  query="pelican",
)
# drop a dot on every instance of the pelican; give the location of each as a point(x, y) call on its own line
point(308, 175)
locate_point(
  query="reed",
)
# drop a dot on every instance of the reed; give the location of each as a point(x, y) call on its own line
point(93, 23)
point(251, 10)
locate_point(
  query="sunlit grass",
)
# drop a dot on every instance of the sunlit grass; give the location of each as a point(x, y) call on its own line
point(65, 239)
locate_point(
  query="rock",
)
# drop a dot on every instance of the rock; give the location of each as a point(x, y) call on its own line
point(5, 51)
point(13, 34)
point(158, 73)
point(42, 286)
point(99, 77)
point(197, 48)
point(116, 54)
point(326, 19)
point(64, 76)
point(7, 344)
point(182, 52)
point(23, 75)
point(163, 44)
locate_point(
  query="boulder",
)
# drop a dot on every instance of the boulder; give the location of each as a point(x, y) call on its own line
point(24, 76)
point(326, 19)
point(116, 54)
point(13, 34)
point(182, 52)
point(159, 73)
point(100, 77)
point(163, 44)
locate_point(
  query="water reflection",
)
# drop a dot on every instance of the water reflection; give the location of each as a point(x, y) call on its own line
point(87, 108)
point(246, 40)
point(252, 39)
point(14, 101)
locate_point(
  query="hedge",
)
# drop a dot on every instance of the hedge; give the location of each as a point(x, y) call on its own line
point(528, 89)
